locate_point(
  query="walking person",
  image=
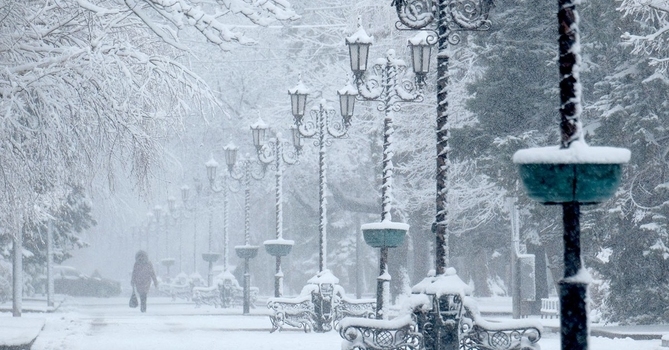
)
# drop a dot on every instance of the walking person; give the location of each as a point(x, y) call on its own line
point(142, 275)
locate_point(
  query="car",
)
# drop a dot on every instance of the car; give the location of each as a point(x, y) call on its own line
point(67, 280)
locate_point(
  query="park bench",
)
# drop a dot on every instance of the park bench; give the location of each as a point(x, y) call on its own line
point(480, 334)
point(224, 292)
point(207, 296)
point(320, 305)
point(351, 307)
point(179, 287)
point(437, 309)
point(296, 312)
point(550, 307)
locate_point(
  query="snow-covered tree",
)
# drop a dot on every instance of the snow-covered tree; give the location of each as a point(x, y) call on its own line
point(632, 104)
point(87, 87)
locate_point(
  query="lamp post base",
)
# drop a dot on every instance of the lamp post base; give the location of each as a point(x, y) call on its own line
point(574, 315)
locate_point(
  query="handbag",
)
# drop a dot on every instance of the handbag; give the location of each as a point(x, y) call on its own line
point(133, 299)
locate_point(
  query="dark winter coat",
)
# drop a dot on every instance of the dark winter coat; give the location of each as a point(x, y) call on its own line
point(143, 273)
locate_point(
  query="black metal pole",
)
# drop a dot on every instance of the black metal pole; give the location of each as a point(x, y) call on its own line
point(441, 225)
point(573, 308)
point(382, 282)
point(247, 287)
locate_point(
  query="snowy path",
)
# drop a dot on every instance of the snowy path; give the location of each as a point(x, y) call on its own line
point(103, 324)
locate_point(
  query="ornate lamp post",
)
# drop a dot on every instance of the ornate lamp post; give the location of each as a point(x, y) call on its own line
point(449, 17)
point(186, 199)
point(320, 126)
point(272, 152)
point(161, 218)
point(389, 88)
point(176, 214)
point(169, 214)
point(149, 220)
point(242, 172)
point(212, 166)
point(571, 174)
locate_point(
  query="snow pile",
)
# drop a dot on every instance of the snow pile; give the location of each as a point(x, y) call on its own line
point(17, 331)
point(324, 276)
point(448, 283)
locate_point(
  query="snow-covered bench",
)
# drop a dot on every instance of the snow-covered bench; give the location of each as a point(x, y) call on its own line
point(295, 312)
point(550, 307)
point(436, 311)
point(320, 306)
point(478, 333)
point(224, 292)
point(179, 287)
point(350, 307)
point(207, 296)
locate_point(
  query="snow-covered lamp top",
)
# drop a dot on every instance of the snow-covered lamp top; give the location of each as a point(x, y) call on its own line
point(300, 88)
point(578, 152)
point(298, 100)
point(448, 283)
point(421, 49)
point(324, 276)
point(358, 48)
point(171, 203)
point(185, 189)
point(348, 90)
point(347, 96)
point(360, 36)
point(258, 130)
point(230, 154)
point(212, 167)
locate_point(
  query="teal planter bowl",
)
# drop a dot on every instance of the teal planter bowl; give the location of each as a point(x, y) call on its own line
point(246, 251)
point(167, 262)
point(384, 237)
point(587, 183)
point(210, 257)
point(278, 248)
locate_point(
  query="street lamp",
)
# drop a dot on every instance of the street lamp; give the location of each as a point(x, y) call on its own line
point(242, 172)
point(271, 152)
point(212, 167)
point(186, 199)
point(167, 214)
point(320, 126)
point(176, 214)
point(448, 18)
point(388, 86)
point(160, 216)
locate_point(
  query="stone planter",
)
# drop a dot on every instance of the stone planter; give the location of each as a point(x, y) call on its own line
point(384, 234)
point(278, 247)
point(210, 257)
point(246, 251)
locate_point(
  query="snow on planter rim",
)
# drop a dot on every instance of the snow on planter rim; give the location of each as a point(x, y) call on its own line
point(385, 225)
point(280, 241)
point(578, 153)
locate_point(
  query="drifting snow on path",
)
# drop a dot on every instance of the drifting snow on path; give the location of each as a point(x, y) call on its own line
point(108, 324)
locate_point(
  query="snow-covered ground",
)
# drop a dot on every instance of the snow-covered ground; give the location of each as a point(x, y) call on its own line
point(89, 323)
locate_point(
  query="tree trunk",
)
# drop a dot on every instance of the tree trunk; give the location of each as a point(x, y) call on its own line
point(17, 274)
